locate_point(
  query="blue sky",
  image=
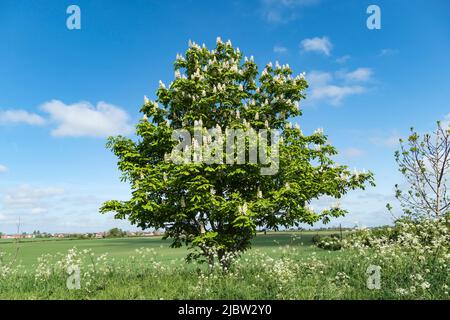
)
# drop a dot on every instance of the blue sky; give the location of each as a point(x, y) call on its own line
point(63, 91)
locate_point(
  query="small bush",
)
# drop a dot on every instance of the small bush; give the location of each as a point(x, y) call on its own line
point(332, 242)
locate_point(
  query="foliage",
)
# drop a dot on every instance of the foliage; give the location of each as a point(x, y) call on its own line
point(115, 233)
point(215, 208)
point(331, 242)
point(368, 236)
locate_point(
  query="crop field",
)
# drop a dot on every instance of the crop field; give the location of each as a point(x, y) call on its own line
point(282, 265)
point(26, 252)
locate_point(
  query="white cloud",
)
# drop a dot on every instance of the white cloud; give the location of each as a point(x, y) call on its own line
point(282, 11)
point(343, 59)
point(446, 121)
point(357, 203)
point(28, 196)
point(387, 52)
point(326, 87)
point(21, 116)
point(84, 119)
point(389, 141)
point(38, 210)
point(73, 208)
point(358, 75)
point(335, 94)
point(25, 202)
point(280, 49)
point(321, 45)
point(3, 168)
point(352, 152)
point(74, 120)
point(318, 78)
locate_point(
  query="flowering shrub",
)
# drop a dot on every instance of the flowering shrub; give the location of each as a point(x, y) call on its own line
point(417, 256)
point(332, 242)
point(7, 267)
point(420, 235)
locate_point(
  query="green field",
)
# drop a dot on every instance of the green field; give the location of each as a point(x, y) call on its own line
point(281, 265)
point(29, 250)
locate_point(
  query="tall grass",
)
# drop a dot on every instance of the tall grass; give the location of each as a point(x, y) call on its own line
point(414, 265)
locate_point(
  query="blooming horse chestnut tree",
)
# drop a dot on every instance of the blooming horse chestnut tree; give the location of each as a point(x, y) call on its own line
point(215, 207)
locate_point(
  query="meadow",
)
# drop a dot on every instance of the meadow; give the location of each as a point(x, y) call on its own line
point(282, 265)
point(28, 250)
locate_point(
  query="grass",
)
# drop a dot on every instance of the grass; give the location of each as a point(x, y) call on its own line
point(281, 265)
point(30, 249)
